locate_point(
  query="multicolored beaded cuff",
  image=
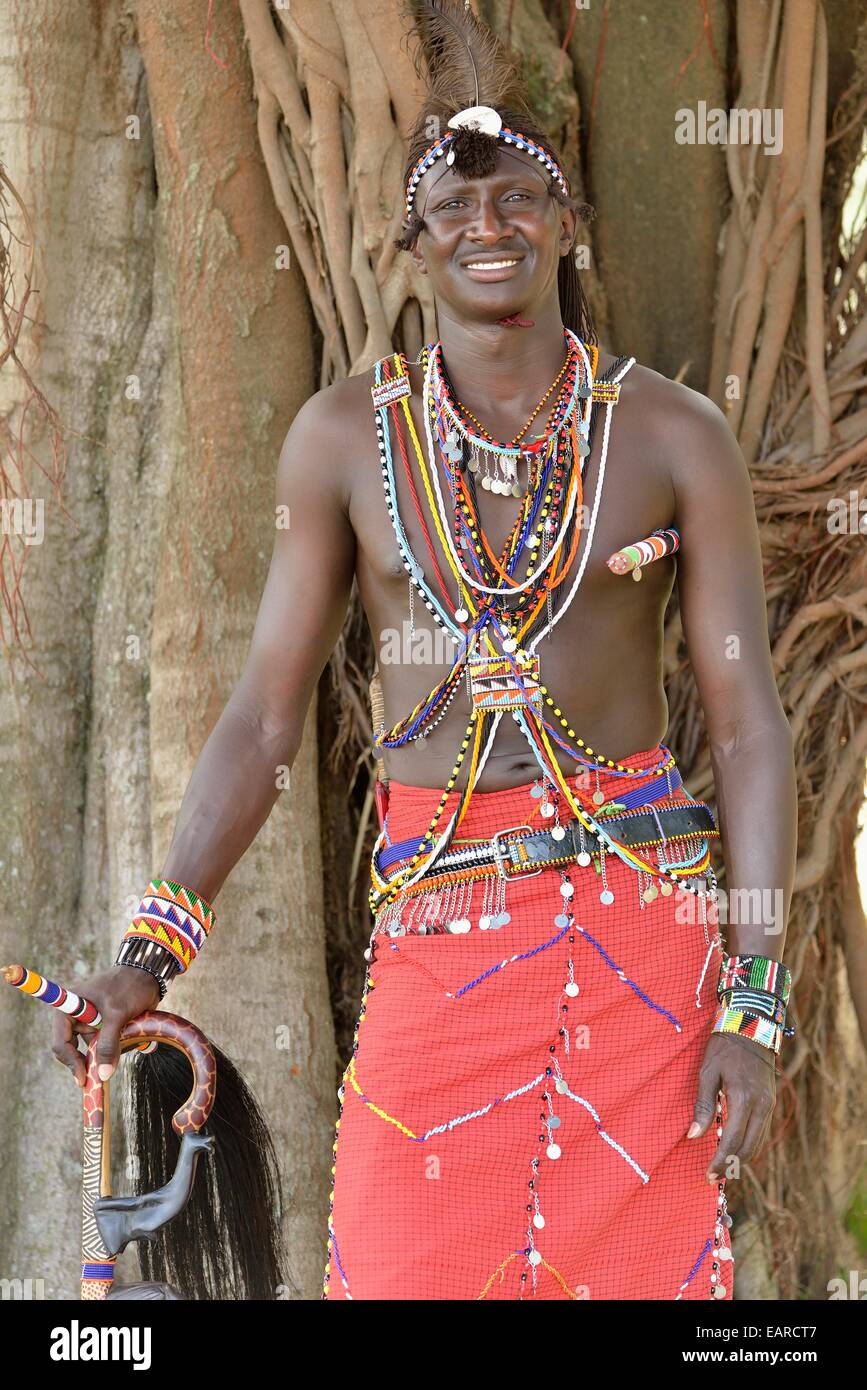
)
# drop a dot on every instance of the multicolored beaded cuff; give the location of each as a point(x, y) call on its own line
point(173, 917)
point(744, 1025)
point(755, 973)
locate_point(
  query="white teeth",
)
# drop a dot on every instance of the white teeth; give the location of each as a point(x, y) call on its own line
point(489, 265)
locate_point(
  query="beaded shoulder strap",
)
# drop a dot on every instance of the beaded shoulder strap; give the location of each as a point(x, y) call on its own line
point(606, 391)
point(394, 390)
point(400, 385)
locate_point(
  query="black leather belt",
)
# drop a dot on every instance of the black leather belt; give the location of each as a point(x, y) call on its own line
point(511, 854)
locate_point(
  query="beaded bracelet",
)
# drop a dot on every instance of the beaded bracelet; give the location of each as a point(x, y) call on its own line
point(753, 1001)
point(162, 980)
point(755, 973)
point(744, 1025)
point(174, 917)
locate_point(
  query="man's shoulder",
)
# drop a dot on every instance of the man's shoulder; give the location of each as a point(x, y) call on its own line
point(338, 407)
point(673, 415)
point(330, 427)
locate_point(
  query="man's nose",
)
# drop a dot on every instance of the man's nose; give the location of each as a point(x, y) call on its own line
point(490, 220)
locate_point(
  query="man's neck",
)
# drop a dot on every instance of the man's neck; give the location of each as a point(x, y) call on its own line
point(490, 365)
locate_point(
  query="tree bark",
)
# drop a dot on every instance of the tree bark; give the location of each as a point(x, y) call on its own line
point(168, 337)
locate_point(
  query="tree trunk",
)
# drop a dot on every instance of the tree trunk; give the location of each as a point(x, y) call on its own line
point(168, 336)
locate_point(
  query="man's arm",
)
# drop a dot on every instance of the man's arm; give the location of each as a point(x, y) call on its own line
point(235, 782)
point(724, 614)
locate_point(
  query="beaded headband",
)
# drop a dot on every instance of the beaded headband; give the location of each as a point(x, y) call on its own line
point(488, 122)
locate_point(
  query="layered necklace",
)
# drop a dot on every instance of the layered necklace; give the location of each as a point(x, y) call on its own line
point(497, 622)
point(509, 484)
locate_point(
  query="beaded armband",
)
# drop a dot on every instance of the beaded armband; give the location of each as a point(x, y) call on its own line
point(753, 993)
point(173, 917)
point(755, 973)
point(759, 1028)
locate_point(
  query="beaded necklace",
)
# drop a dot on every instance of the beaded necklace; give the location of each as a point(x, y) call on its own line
point(468, 496)
point(516, 669)
point(530, 418)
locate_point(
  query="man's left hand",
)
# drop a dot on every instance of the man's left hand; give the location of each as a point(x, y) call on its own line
point(746, 1072)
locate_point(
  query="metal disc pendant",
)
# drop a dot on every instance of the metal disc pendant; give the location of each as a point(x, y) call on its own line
point(547, 808)
point(553, 1151)
point(567, 889)
point(460, 926)
point(461, 615)
point(484, 922)
point(561, 1085)
point(561, 920)
point(537, 791)
point(606, 896)
point(486, 483)
point(539, 1221)
point(474, 464)
point(583, 448)
point(665, 889)
point(534, 1257)
point(510, 645)
point(558, 833)
point(650, 893)
point(572, 989)
point(598, 798)
point(584, 859)
point(517, 490)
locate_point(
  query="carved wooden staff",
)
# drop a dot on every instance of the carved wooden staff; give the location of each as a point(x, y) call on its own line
point(109, 1223)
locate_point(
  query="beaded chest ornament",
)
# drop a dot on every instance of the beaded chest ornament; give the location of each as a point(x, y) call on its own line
point(504, 676)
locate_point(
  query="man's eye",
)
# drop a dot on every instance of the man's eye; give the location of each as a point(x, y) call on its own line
point(452, 202)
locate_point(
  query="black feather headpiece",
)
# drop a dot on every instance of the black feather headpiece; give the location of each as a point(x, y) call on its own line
point(465, 65)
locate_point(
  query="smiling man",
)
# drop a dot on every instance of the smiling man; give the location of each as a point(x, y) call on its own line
point(549, 1005)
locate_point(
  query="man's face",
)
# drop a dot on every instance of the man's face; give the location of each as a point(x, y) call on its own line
point(473, 225)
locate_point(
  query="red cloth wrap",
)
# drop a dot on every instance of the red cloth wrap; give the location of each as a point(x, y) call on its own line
point(451, 1217)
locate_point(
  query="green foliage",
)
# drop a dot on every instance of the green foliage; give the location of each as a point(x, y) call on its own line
point(856, 1216)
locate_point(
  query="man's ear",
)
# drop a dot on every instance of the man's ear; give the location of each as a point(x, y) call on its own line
point(418, 258)
point(568, 230)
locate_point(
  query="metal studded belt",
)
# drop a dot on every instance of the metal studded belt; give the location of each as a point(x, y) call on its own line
point(521, 851)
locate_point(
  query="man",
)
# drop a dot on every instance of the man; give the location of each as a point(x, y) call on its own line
point(515, 1109)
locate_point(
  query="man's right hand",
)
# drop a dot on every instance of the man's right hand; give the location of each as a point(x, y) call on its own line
point(120, 993)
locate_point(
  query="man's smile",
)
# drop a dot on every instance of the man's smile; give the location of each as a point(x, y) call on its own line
point(491, 267)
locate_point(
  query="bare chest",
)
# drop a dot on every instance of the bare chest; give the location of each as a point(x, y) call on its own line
point(400, 524)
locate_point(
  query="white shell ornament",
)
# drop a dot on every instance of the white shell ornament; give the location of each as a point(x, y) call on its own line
point(483, 118)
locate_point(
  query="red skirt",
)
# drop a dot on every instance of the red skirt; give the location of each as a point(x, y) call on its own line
point(514, 1113)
